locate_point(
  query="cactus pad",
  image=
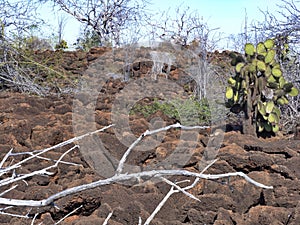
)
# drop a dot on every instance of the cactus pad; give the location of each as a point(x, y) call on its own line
point(269, 44)
point(229, 93)
point(270, 56)
point(276, 72)
point(249, 49)
point(261, 49)
point(294, 92)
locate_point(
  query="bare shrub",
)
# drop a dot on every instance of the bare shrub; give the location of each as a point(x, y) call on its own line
point(18, 16)
point(107, 19)
point(13, 75)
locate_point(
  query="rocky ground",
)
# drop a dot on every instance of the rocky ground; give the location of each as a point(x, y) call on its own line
point(29, 122)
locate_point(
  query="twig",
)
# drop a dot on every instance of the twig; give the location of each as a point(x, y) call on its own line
point(8, 190)
point(14, 215)
point(62, 219)
point(35, 216)
point(56, 146)
point(160, 205)
point(5, 157)
point(172, 191)
point(140, 221)
point(37, 172)
point(197, 178)
point(107, 218)
point(180, 189)
point(43, 158)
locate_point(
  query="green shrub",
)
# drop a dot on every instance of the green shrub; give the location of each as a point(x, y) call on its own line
point(187, 111)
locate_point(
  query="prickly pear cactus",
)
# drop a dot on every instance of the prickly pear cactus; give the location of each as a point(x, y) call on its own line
point(258, 88)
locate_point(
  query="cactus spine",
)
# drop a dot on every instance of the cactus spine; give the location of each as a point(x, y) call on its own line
point(258, 88)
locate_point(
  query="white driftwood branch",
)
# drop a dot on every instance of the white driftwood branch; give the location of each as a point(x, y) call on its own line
point(126, 177)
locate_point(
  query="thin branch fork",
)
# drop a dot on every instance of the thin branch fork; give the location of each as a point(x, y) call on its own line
point(37, 172)
point(51, 148)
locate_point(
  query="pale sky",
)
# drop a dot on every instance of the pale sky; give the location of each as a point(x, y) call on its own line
point(228, 15)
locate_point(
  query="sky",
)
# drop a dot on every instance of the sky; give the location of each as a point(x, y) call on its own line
point(227, 15)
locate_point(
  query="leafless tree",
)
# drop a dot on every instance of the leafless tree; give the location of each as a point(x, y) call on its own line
point(14, 73)
point(287, 26)
point(18, 16)
point(106, 17)
point(62, 21)
point(185, 28)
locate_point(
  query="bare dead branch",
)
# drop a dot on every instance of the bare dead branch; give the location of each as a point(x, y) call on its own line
point(5, 158)
point(51, 148)
point(147, 133)
point(2, 212)
point(160, 205)
point(179, 189)
point(37, 172)
point(183, 28)
point(8, 190)
point(18, 15)
point(123, 178)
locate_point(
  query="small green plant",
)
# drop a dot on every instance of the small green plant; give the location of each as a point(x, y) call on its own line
point(258, 88)
point(61, 45)
point(187, 111)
